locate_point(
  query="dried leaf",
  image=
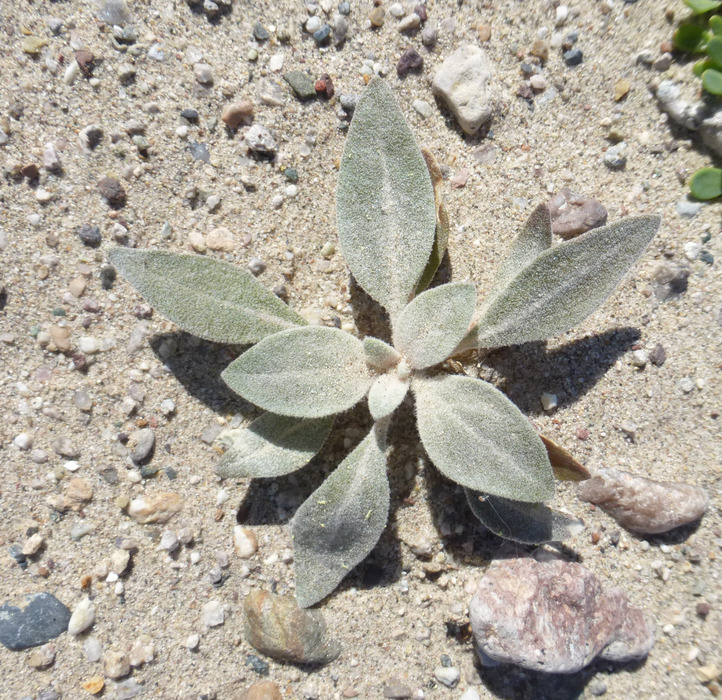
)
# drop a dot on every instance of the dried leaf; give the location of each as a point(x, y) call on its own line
point(272, 445)
point(304, 372)
point(528, 523)
point(564, 284)
point(342, 520)
point(384, 201)
point(431, 326)
point(380, 355)
point(206, 297)
point(386, 394)
point(565, 467)
point(478, 438)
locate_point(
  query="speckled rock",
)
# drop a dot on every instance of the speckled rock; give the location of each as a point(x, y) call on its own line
point(277, 627)
point(462, 82)
point(158, 508)
point(573, 214)
point(553, 616)
point(32, 620)
point(643, 505)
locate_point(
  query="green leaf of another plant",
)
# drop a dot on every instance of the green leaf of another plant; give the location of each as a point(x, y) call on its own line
point(528, 523)
point(340, 522)
point(478, 438)
point(714, 51)
point(706, 183)
point(380, 355)
point(206, 297)
point(386, 394)
point(715, 24)
point(564, 284)
point(384, 201)
point(701, 66)
point(433, 324)
point(272, 445)
point(691, 37)
point(712, 81)
point(701, 6)
point(304, 372)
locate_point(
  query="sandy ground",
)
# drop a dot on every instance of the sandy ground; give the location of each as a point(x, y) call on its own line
point(389, 615)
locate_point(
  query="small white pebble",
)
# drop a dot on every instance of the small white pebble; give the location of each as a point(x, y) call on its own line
point(244, 542)
point(192, 641)
point(291, 191)
point(548, 401)
point(692, 249)
point(24, 441)
point(221, 497)
point(195, 557)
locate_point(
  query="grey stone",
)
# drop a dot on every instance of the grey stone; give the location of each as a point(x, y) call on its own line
point(34, 620)
point(462, 82)
point(259, 140)
point(302, 84)
point(140, 444)
point(553, 616)
point(669, 280)
point(573, 214)
point(614, 157)
point(643, 505)
point(113, 12)
point(687, 209)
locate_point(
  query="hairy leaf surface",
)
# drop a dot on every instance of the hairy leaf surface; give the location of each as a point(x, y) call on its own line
point(384, 201)
point(209, 298)
point(380, 355)
point(304, 372)
point(386, 394)
point(564, 284)
point(272, 445)
point(478, 438)
point(431, 326)
point(342, 520)
point(528, 523)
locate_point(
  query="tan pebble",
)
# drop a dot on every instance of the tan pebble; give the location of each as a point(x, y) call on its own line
point(264, 690)
point(43, 272)
point(158, 508)
point(244, 542)
point(377, 16)
point(484, 32)
point(621, 88)
point(540, 50)
point(94, 685)
point(60, 336)
point(77, 287)
point(221, 239)
point(42, 656)
point(116, 664)
point(142, 651)
point(77, 493)
point(197, 241)
point(233, 114)
point(119, 561)
point(33, 544)
point(707, 674)
point(33, 44)
point(82, 618)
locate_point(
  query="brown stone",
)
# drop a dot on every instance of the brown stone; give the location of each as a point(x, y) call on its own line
point(264, 690)
point(158, 508)
point(236, 112)
point(484, 32)
point(60, 335)
point(30, 171)
point(42, 656)
point(113, 191)
point(85, 61)
point(540, 49)
point(573, 213)
point(411, 60)
point(116, 664)
point(77, 493)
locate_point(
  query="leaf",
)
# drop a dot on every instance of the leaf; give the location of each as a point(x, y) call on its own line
point(706, 183)
point(206, 297)
point(432, 325)
point(380, 355)
point(384, 201)
point(386, 394)
point(712, 81)
point(272, 445)
point(691, 37)
point(564, 284)
point(715, 24)
point(714, 51)
point(701, 66)
point(528, 523)
point(342, 520)
point(304, 372)
point(701, 6)
point(441, 236)
point(565, 467)
point(478, 438)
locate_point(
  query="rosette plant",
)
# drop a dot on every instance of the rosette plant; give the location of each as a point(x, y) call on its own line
point(393, 231)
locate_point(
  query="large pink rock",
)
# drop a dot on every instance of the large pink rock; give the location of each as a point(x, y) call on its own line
point(642, 505)
point(554, 616)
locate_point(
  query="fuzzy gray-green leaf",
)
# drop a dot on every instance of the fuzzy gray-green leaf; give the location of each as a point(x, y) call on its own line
point(209, 298)
point(564, 284)
point(478, 438)
point(431, 326)
point(304, 372)
point(528, 523)
point(384, 201)
point(386, 394)
point(272, 445)
point(340, 522)
point(380, 355)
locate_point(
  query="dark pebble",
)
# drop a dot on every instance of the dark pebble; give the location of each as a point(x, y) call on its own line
point(39, 618)
point(258, 665)
point(706, 257)
point(80, 362)
point(190, 114)
point(291, 174)
point(85, 61)
point(108, 473)
point(107, 276)
point(525, 92)
point(324, 87)
point(410, 60)
point(113, 191)
point(30, 171)
point(260, 33)
point(302, 84)
point(52, 694)
point(171, 473)
point(420, 10)
point(703, 609)
point(322, 35)
point(90, 235)
point(16, 110)
point(658, 355)
point(59, 311)
point(573, 57)
point(16, 552)
point(446, 661)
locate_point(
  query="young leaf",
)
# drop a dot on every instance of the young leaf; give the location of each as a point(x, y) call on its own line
point(380, 355)
point(701, 66)
point(304, 372)
point(528, 523)
point(386, 394)
point(206, 297)
point(714, 51)
point(565, 467)
point(432, 325)
point(706, 183)
point(715, 24)
point(690, 37)
point(384, 201)
point(342, 520)
point(564, 284)
point(478, 438)
point(712, 81)
point(272, 445)
point(701, 6)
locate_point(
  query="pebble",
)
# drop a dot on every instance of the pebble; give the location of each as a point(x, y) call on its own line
point(395, 688)
point(538, 83)
point(260, 140)
point(553, 616)
point(263, 690)
point(116, 664)
point(423, 108)
point(410, 22)
point(244, 542)
point(573, 57)
point(90, 235)
point(669, 280)
point(221, 239)
point(203, 73)
point(549, 401)
point(51, 161)
point(410, 60)
point(429, 36)
point(377, 17)
point(260, 33)
point(94, 685)
point(462, 82)
point(156, 508)
point(639, 359)
point(340, 29)
point(302, 84)
point(277, 627)
point(113, 191)
point(142, 651)
point(141, 443)
point(93, 649)
point(192, 641)
point(313, 24)
point(82, 618)
point(119, 561)
point(79, 530)
point(256, 266)
point(573, 214)
point(33, 544)
point(322, 35)
point(687, 209)
point(42, 657)
point(213, 614)
point(540, 50)
point(447, 675)
point(643, 505)
point(614, 157)
point(78, 493)
point(687, 384)
point(24, 441)
point(32, 620)
point(169, 541)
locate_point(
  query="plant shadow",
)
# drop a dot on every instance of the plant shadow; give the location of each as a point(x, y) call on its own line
point(569, 372)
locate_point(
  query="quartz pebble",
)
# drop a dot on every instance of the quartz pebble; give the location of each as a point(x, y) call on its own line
point(33, 544)
point(447, 675)
point(82, 618)
point(244, 542)
point(192, 641)
point(573, 213)
point(116, 664)
point(553, 616)
point(213, 613)
point(642, 505)
point(259, 140)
